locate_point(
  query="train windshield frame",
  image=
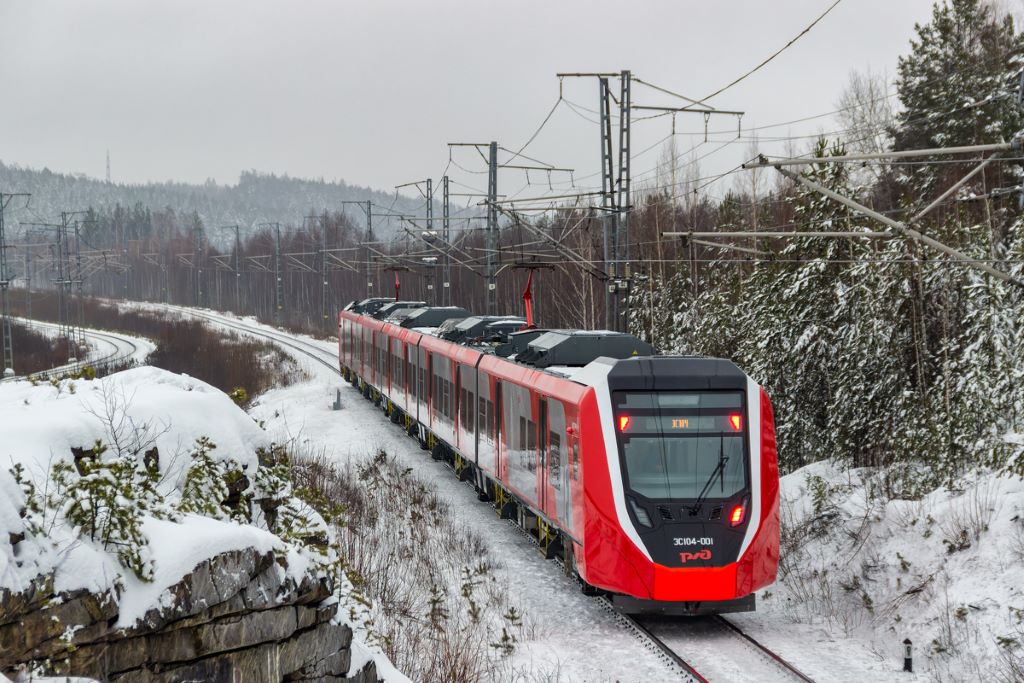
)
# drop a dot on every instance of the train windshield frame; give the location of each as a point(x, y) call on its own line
point(676, 445)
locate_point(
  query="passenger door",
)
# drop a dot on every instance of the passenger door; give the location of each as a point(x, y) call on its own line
point(542, 453)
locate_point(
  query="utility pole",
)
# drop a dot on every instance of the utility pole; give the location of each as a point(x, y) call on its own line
point(431, 267)
point(5, 281)
point(127, 266)
point(278, 282)
point(64, 282)
point(622, 266)
point(197, 263)
point(492, 230)
point(615, 192)
point(324, 293)
point(80, 303)
point(430, 203)
point(609, 219)
point(28, 282)
point(238, 271)
point(108, 167)
point(446, 286)
point(369, 240)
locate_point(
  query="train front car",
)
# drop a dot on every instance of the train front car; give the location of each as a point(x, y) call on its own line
point(684, 516)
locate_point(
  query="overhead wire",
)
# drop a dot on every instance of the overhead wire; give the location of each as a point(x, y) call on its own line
point(774, 54)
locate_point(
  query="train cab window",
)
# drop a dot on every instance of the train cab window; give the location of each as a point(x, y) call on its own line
point(674, 445)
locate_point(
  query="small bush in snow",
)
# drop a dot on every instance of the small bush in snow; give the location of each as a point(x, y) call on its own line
point(205, 490)
point(240, 396)
point(106, 499)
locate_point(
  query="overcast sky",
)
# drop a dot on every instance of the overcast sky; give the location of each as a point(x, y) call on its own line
point(371, 92)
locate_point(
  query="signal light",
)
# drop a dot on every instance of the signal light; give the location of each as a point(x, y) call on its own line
point(736, 516)
point(623, 422)
point(736, 420)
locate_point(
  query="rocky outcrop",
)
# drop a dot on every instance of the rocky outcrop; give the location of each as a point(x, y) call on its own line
point(235, 617)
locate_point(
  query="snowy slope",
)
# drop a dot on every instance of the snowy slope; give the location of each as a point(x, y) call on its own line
point(946, 571)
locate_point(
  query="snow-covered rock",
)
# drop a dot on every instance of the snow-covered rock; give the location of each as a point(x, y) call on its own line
point(218, 594)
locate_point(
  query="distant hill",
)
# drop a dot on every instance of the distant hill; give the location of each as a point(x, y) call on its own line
point(258, 197)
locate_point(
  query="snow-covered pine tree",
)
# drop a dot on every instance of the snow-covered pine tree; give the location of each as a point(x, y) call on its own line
point(205, 488)
point(958, 86)
point(101, 498)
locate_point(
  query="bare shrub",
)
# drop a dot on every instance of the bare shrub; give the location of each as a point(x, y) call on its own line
point(1017, 541)
point(1009, 664)
point(36, 351)
point(427, 592)
point(969, 517)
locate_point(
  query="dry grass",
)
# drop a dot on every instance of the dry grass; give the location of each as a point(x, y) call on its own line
point(969, 517)
point(431, 597)
point(34, 352)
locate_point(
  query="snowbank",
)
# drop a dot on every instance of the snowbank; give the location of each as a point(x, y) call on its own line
point(139, 409)
point(946, 571)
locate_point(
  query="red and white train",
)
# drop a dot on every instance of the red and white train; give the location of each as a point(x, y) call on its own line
point(654, 477)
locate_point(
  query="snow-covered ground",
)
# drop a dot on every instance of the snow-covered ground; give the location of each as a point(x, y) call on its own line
point(946, 571)
point(576, 636)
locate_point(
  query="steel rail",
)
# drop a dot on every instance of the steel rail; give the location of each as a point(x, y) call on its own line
point(775, 657)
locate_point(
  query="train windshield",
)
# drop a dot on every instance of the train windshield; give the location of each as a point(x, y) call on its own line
point(678, 445)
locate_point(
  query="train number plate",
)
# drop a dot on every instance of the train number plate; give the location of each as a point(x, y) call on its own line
point(687, 541)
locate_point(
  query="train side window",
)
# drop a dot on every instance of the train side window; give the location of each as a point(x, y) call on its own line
point(495, 410)
point(575, 458)
point(470, 404)
point(445, 398)
point(555, 459)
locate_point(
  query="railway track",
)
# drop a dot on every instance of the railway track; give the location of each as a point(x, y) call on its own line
point(691, 647)
point(121, 348)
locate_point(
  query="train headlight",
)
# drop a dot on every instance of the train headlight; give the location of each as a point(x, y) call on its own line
point(640, 514)
point(737, 515)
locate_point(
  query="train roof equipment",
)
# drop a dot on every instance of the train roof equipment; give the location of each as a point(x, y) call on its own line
point(432, 316)
point(476, 326)
point(369, 306)
point(382, 312)
point(576, 348)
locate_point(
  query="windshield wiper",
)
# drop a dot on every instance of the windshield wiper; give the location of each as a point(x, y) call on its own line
point(719, 469)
